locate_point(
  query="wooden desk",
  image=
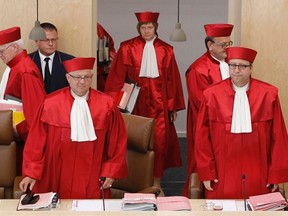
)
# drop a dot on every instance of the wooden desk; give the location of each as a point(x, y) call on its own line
point(8, 207)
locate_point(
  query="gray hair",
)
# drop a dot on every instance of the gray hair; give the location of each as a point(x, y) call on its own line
point(19, 42)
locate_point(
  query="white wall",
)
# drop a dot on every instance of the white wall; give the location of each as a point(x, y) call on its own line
point(117, 17)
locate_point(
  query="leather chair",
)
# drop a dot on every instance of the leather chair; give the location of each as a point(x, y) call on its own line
point(196, 187)
point(7, 155)
point(140, 158)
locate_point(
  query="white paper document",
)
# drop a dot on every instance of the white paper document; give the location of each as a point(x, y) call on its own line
point(96, 205)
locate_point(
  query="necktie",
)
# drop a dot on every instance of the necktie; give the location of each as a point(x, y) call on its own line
point(47, 75)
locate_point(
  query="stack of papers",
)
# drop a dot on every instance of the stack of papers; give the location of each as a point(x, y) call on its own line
point(46, 201)
point(148, 202)
point(267, 202)
point(139, 202)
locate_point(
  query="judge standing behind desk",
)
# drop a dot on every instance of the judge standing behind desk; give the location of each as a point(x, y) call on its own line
point(241, 131)
point(78, 136)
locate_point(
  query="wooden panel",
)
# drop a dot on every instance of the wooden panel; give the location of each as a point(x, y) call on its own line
point(264, 28)
point(75, 20)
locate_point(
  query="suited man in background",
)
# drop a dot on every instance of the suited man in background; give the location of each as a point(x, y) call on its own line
point(56, 77)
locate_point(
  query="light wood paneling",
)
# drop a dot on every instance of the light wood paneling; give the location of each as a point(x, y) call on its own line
point(264, 28)
point(75, 20)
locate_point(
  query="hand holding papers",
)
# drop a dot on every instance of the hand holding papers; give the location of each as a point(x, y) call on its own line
point(128, 96)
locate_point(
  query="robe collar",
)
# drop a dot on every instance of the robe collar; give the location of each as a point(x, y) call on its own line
point(17, 59)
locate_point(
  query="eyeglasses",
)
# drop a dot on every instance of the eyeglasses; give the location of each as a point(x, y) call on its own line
point(79, 78)
point(224, 44)
point(53, 40)
point(240, 67)
point(3, 50)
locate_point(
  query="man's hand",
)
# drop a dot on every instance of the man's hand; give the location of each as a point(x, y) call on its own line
point(207, 184)
point(173, 116)
point(107, 183)
point(273, 187)
point(25, 182)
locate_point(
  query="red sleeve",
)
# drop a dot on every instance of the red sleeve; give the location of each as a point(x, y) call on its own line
point(115, 164)
point(174, 87)
point(205, 159)
point(117, 75)
point(278, 172)
point(33, 155)
point(33, 95)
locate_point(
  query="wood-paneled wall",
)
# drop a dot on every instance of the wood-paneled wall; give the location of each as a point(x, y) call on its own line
point(75, 20)
point(264, 28)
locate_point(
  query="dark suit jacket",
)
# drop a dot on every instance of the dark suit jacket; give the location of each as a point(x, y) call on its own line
point(58, 75)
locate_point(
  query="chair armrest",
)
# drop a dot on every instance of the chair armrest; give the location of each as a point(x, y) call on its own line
point(152, 189)
point(16, 190)
point(196, 187)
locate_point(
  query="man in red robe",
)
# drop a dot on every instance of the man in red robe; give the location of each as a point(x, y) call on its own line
point(203, 72)
point(25, 82)
point(22, 82)
point(150, 63)
point(108, 53)
point(77, 137)
point(241, 132)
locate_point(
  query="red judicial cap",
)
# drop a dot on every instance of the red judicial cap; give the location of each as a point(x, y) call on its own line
point(10, 35)
point(147, 16)
point(240, 53)
point(218, 30)
point(79, 63)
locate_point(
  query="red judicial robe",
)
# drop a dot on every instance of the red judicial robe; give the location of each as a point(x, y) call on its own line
point(101, 74)
point(157, 96)
point(73, 168)
point(261, 155)
point(25, 83)
point(200, 75)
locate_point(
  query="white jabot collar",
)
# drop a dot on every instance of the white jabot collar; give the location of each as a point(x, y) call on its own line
point(82, 128)
point(149, 66)
point(241, 119)
point(4, 81)
point(224, 68)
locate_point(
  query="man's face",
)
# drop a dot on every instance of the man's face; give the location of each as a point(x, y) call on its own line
point(147, 31)
point(218, 47)
point(240, 71)
point(8, 52)
point(80, 81)
point(48, 46)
